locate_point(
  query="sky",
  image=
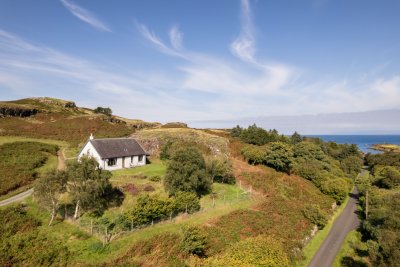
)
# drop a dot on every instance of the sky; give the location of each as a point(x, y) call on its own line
point(181, 60)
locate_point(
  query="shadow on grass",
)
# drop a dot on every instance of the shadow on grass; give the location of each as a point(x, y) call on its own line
point(350, 262)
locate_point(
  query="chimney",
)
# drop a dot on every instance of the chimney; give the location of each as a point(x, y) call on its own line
point(91, 137)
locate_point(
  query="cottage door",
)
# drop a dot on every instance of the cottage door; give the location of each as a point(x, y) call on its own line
point(123, 162)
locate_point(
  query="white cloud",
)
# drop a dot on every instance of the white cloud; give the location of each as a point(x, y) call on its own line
point(153, 38)
point(85, 16)
point(244, 46)
point(175, 36)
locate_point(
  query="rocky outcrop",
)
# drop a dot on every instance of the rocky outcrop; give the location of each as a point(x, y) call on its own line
point(17, 111)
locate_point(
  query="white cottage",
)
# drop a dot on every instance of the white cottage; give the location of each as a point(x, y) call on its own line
point(115, 153)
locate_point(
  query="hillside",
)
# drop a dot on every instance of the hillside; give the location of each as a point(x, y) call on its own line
point(58, 119)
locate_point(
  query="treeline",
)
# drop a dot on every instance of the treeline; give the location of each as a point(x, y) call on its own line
point(380, 202)
point(330, 166)
point(19, 162)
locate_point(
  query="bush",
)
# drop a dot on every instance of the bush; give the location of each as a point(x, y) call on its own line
point(186, 172)
point(148, 188)
point(220, 171)
point(105, 111)
point(194, 240)
point(155, 178)
point(254, 154)
point(186, 202)
point(315, 215)
point(388, 177)
point(352, 165)
point(336, 188)
point(131, 188)
point(253, 251)
point(279, 156)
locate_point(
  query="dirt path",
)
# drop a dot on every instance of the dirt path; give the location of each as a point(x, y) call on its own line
point(346, 222)
point(61, 159)
point(17, 198)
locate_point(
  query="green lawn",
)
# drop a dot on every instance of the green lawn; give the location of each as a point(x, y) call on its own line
point(156, 168)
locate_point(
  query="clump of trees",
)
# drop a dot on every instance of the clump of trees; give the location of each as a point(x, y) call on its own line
point(330, 166)
point(87, 186)
point(106, 111)
point(380, 202)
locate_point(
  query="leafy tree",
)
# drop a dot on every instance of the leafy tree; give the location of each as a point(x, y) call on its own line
point(220, 171)
point(338, 188)
point(186, 202)
point(48, 190)
point(186, 172)
point(308, 151)
point(194, 240)
point(236, 131)
point(279, 156)
point(89, 186)
point(296, 138)
point(105, 111)
point(351, 165)
point(315, 215)
point(388, 177)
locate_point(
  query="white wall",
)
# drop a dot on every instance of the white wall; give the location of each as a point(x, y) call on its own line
point(89, 150)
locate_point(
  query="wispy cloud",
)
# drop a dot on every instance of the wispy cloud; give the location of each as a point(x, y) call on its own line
point(175, 36)
point(85, 16)
point(156, 41)
point(244, 46)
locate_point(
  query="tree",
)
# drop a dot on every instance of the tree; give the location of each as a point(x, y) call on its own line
point(296, 138)
point(279, 156)
point(351, 165)
point(388, 177)
point(48, 190)
point(186, 172)
point(220, 171)
point(105, 111)
point(308, 151)
point(88, 185)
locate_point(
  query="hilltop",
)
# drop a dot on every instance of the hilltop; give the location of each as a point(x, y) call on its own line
point(51, 118)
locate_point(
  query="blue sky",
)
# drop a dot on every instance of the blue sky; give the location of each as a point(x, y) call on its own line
point(202, 60)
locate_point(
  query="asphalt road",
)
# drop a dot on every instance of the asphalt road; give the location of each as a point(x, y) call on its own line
point(17, 198)
point(346, 222)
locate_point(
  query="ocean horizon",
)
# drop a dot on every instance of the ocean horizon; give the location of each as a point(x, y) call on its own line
point(363, 142)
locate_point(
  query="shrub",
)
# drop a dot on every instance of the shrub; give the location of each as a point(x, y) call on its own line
point(254, 154)
point(194, 240)
point(388, 177)
point(186, 202)
point(315, 215)
point(105, 111)
point(336, 188)
point(351, 165)
point(131, 188)
point(253, 251)
point(155, 178)
point(148, 188)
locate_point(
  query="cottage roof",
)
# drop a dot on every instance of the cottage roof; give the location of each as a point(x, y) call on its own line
point(117, 147)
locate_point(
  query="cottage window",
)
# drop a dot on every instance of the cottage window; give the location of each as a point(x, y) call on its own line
point(112, 162)
point(140, 158)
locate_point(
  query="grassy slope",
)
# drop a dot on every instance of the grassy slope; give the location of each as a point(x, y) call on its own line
point(50, 164)
point(55, 121)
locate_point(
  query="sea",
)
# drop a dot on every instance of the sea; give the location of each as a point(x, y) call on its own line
point(364, 142)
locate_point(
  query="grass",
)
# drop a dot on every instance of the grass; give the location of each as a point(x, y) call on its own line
point(346, 249)
point(312, 247)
